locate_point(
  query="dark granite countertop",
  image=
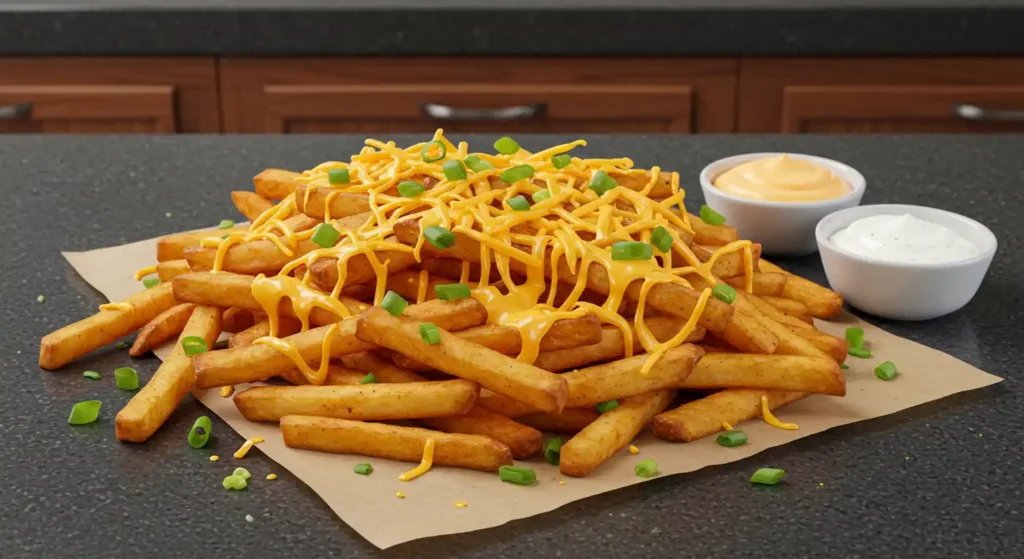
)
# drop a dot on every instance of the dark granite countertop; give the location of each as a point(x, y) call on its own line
point(940, 480)
point(522, 27)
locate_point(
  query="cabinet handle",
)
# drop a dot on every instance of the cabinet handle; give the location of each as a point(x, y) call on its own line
point(15, 111)
point(967, 111)
point(438, 111)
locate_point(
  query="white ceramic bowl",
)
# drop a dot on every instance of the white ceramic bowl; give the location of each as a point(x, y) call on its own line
point(905, 291)
point(780, 227)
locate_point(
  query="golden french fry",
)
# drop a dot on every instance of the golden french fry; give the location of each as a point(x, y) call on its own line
point(728, 265)
point(393, 442)
point(59, 348)
point(791, 307)
point(407, 284)
point(836, 347)
point(819, 375)
point(570, 421)
point(165, 326)
point(612, 345)
point(285, 327)
point(250, 204)
point(171, 269)
point(236, 320)
point(788, 342)
point(748, 335)
point(622, 378)
point(359, 270)
point(700, 418)
point(275, 184)
point(821, 301)
point(765, 283)
point(152, 405)
point(252, 258)
point(173, 247)
point(712, 235)
point(611, 432)
point(777, 315)
point(343, 204)
point(504, 405)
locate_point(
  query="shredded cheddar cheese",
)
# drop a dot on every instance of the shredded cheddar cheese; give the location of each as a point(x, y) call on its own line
point(461, 504)
point(143, 272)
point(227, 391)
point(116, 307)
point(727, 426)
point(425, 463)
point(770, 419)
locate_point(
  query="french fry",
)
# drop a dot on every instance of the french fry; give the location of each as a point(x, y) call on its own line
point(285, 327)
point(343, 204)
point(610, 433)
point(748, 335)
point(393, 442)
point(165, 326)
point(369, 402)
point(765, 283)
point(570, 421)
point(791, 307)
point(152, 405)
point(700, 418)
point(504, 405)
point(612, 345)
point(535, 387)
point(236, 320)
point(819, 375)
point(59, 348)
point(251, 258)
point(171, 269)
point(407, 284)
point(250, 204)
point(788, 342)
point(777, 315)
point(275, 184)
point(712, 235)
point(173, 247)
point(451, 268)
point(836, 347)
point(821, 301)
point(622, 378)
point(727, 265)
point(325, 270)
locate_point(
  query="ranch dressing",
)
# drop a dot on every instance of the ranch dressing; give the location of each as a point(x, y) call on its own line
point(903, 239)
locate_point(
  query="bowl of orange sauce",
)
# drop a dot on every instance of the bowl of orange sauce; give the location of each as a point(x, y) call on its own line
point(777, 199)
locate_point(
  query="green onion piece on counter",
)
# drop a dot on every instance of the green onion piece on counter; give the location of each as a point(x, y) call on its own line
point(338, 176)
point(194, 345)
point(126, 378)
point(711, 217)
point(85, 412)
point(242, 473)
point(325, 235)
point(226, 224)
point(518, 476)
point(199, 435)
point(553, 450)
point(370, 378)
point(724, 292)
point(234, 483)
point(123, 345)
point(517, 173)
point(40, 298)
point(601, 183)
point(394, 303)
point(855, 336)
point(632, 250)
point(844, 366)
point(452, 291)
point(149, 283)
point(425, 151)
point(561, 160)
point(732, 438)
point(859, 352)
point(646, 468)
point(768, 476)
point(661, 238)
point(439, 237)
point(519, 203)
point(541, 195)
point(429, 333)
point(410, 189)
point(454, 170)
point(363, 469)
point(608, 406)
point(506, 146)
point(886, 371)
point(476, 164)
point(91, 374)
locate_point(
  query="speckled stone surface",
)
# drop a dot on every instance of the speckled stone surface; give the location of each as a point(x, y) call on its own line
point(940, 480)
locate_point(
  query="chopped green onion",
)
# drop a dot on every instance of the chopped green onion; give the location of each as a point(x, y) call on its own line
point(608, 406)
point(235, 483)
point(370, 378)
point(363, 469)
point(646, 468)
point(540, 196)
point(429, 333)
point(711, 217)
point(126, 378)
point(768, 476)
point(91, 374)
point(85, 412)
point(632, 250)
point(410, 189)
point(169, 214)
point(517, 173)
point(426, 148)
point(661, 238)
point(149, 283)
point(338, 176)
point(226, 224)
point(40, 298)
point(199, 435)
point(601, 183)
point(732, 438)
point(242, 473)
point(454, 170)
point(452, 291)
point(886, 371)
point(194, 345)
point(122, 345)
point(394, 303)
point(506, 145)
point(553, 450)
point(844, 366)
point(561, 160)
point(855, 336)
point(859, 352)
point(439, 237)
point(476, 164)
point(518, 476)
point(519, 203)
point(724, 292)
point(325, 235)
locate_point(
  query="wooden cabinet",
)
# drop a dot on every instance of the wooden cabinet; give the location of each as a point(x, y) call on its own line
point(958, 95)
point(101, 95)
point(381, 96)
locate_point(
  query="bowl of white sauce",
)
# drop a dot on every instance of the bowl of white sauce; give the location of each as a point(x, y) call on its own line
point(904, 262)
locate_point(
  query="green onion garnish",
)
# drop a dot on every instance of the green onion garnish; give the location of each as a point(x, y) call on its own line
point(126, 378)
point(732, 438)
point(518, 476)
point(410, 189)
point(439, 237)
point(426, 148)
point(454, 170)
point(370, 378)
point(123, 345)
point(40, 298)
point(506, 145)
point(711, 217)
point(199, 435)
point(855, 336)
point(540, 196)
point(604, 407)
point(519, 203)
point(91, 374)
point(338, 176)
point(194, 345)
point(150, 282)
point(553, 450)
point(601, 183)
point(632, 250)
point(768, 476)
point(646, 468)
point(476, 164)
point(561, 160)
point(325, 235)
point(234, 483)
point(85, 412)
point(242, 473)
point(452, 291)
point(859, 352)
point(513, 174)
point(844, 366)
point(661, 238)
point(724, 292)
point(226, 224)
point(394, 303)
point(429, 333)
point(886, 371)
point(363, 469)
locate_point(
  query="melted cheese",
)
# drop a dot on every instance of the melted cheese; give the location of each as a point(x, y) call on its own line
point(425, 463)
point(314, 377)
point(125, 307)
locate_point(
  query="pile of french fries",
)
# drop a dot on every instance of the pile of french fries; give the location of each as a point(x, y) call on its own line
point(487, 390)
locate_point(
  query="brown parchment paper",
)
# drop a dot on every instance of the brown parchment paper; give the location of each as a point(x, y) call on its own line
point(369, 504)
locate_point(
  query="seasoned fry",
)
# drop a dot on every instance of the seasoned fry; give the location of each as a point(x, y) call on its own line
point(700, 418)
point(393, 442)
point(254, 257)
point(325, 271)
point(821, 301)
point(285, 327)
point(612, 345)
point(236, 320)
point(343, 204)
point(836, 347)
point(788, 342)
point(504, 405)
point(173, 247)
point(777, 315)
point(748, 335)
point(250, 204)
point(171, 269)
point(712, 235)
point(275, 184)
point(570, 421)
point(621, 379)
point(729, 265)
point(75, 340)
point(819, 375)
point(165, 326)
point(791, 307)
point(765, 283)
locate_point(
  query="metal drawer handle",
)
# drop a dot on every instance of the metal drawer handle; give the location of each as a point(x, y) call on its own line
point(438, 111)
point(967, 111)
point(17, 110)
